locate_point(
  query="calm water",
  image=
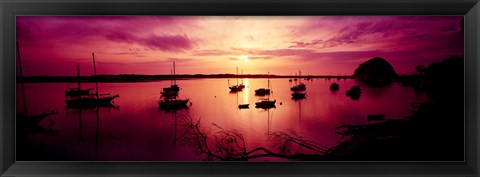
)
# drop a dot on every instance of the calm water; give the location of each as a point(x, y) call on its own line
point(137, 130)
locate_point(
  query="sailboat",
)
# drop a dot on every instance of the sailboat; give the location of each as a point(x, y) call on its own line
point(265, 103)
point(77, 91)
point(299, 87)
point(296, 95)
point(263, 91)
point(242, 86)
point(25, 119)
point(92, 99)
point(170, 95)
point(236, 88)
point(173, 89)
point(172, 102)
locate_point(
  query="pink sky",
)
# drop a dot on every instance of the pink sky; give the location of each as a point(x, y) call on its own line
point(319, 45)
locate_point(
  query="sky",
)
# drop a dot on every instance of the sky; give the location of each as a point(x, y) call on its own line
point(281, 45)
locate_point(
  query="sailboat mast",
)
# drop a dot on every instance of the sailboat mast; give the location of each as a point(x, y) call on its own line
point(268, 79)
point(95, 74)
point(171, 74)
point(237, 76)
point(296, 78)
point(174, 80)
point(21, 81)
point(242, 76)
point(300, 76)
point(78, 77)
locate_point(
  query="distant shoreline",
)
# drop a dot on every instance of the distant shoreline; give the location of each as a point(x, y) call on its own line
point(149, 78)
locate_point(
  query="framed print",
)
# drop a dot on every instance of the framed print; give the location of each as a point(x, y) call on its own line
point(239, 88)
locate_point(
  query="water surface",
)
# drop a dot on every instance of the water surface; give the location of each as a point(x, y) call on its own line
point(135, 129)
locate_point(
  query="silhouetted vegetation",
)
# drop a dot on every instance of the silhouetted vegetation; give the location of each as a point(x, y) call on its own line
point(229, 145)
point(434, 130)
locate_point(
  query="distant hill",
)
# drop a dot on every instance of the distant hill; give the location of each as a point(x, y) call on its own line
point(376, 71)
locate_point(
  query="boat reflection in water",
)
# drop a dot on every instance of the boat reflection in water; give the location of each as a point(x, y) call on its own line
point(143, 128)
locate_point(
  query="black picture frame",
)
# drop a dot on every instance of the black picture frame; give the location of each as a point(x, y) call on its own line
point(11, 8)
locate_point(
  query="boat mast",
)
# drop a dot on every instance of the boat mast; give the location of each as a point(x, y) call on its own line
point(268, 79)
point(237, 76)
point(174, 80)
point(21, 81)
point(296, 78)
point(171, 75)
point(242, 76)
point(95, 74)
point(300, 76)
point(78, 78)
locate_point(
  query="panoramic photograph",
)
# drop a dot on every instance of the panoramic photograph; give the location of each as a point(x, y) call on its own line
point(240, 88)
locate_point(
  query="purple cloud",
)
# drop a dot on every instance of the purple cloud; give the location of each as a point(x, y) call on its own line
point(53, 31)
point(170, 43)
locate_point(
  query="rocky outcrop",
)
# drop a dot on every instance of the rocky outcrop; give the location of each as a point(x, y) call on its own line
point(376, 71)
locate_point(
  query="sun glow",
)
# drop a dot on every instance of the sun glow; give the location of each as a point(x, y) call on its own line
point(244, 58)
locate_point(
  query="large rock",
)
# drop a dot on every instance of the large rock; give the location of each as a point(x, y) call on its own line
point(376, 71)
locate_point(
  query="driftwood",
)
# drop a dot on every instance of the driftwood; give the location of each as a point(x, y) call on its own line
point(230, 144)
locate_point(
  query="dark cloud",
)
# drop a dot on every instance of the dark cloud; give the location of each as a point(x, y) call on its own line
point(85, 29)
point(449, 27)
point(170, 43)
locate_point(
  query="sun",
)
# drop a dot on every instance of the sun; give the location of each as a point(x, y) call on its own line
point(244, 58)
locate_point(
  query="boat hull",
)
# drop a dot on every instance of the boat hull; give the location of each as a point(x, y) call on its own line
point(91, 101)
point(265, 104)
point(243, 106)
point(298, 95)
point(235, 88)
point(262, 92)
point(173, 103)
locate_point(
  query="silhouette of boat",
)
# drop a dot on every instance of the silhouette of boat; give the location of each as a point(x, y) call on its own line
point(23, 119)
point(92, 99)
point(77, 92)
point(171, 102)
point(298, 95)
point(243, 106)
point(334, 86)
point(354, 92)
point(169, 92)
point(236, 88)
point(289, 80)
point(265, 103)
point(241, 86)
point(174, 88)
point(263, 91)
point(299, 87)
